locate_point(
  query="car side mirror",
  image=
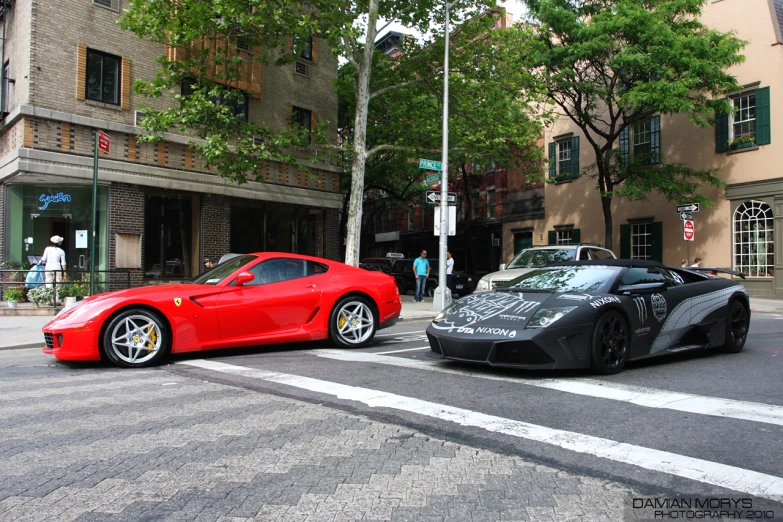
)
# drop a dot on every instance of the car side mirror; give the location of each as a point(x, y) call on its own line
point(244, 277)
point(502, 266)
point(644, 288)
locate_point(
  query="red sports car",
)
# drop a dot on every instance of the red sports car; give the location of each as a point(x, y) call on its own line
point(249, 300)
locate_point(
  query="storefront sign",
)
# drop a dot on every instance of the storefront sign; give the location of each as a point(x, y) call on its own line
point(53, 198)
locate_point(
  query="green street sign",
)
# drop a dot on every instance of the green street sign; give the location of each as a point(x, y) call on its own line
point(434, 178)
point(430, 164)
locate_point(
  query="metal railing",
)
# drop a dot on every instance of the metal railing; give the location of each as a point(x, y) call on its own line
point(105, 281)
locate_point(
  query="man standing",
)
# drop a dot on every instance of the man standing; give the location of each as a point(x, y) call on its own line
point(684, 263)
point(697, 262)
point(421, 269)
point(449, 268)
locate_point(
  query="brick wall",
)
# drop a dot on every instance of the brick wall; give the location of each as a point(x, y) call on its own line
point(332, 247)
point(215, 227)
point(126, 215)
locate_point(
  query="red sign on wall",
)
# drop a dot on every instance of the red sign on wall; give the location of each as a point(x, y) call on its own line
point(104, 141)
point(688, 230)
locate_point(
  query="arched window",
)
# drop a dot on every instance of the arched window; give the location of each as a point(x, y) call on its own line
point(754, 243)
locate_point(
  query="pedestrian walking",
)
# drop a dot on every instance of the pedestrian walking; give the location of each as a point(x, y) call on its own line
point(53, 259)
point(684, 263)
point(696, 262)
point(449, 268)
point(421, 269)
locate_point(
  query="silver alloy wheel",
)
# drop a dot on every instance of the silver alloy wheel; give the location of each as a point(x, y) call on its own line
point(136, 339)
point(355, 322)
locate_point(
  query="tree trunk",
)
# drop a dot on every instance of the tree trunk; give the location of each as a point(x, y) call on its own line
point(343, 220)
point(606, 186)
point(360, 141)
point(606, 205)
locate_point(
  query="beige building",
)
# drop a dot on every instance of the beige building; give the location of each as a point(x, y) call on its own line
point(744, 228)
point(68, 71)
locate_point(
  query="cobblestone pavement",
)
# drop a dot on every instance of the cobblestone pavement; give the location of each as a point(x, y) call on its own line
point(103, 444)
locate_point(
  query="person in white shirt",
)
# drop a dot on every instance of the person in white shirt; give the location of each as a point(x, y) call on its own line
point(697, 262)
point(53, 259)
point(449, 268)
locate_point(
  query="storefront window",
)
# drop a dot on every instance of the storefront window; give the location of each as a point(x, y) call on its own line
point(310, 232)
point(168, 237)
point(247, 229)
point(280, 228)
point(38, 212)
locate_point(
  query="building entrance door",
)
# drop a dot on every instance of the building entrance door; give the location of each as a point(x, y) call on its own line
point(522, 240)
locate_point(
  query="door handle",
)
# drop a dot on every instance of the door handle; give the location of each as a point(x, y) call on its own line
point(311, 286)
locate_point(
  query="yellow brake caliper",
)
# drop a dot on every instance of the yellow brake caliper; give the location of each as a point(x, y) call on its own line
point(341, 321)
point(153, 337)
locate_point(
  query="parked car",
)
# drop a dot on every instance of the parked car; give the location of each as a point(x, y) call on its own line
point(384, 262)
point(596, 314)
point(173, 269)
point(250, 300)
point(371, 266)
point(402, 270)
point(535, 257)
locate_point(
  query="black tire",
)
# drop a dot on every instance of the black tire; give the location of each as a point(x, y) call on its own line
point(401, 288)
point(146, 335)
point(610, 344)
point(737, 323)
point(353, 322)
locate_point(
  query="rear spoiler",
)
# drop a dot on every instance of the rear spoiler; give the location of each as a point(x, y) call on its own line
point(713, 270)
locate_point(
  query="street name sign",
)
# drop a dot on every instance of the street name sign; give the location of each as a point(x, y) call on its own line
point(430, 165)
point(690, 207)
point(104, 141)
point(433, 196)
point(688, 231)
point(686, 215)
point(432, 178)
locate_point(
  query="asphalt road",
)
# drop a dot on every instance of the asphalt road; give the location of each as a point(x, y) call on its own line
point(700, 424)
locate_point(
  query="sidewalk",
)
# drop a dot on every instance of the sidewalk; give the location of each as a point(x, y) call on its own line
point(25, 331)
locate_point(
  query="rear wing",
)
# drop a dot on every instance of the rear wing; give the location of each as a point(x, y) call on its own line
point(712, 270)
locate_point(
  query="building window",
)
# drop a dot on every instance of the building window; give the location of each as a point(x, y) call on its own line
point(564, 237)
point(748, 124)
point(6, 91)
point(103, 77)
point(646, 138)
point(744, 118)
point(236, 100)
point(641, 241)
point(564, 158)
point(754, 253)
point(305, 47)
point(301, 121)
point(491, 201)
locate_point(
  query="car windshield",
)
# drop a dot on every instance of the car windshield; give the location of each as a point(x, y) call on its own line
point(536, 258)
point(567, 279)
point(219, 272)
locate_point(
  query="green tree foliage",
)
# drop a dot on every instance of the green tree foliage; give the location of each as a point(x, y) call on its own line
point(495, 106)
point(608, 64)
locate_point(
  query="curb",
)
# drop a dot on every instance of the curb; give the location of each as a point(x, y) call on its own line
point(35, 344)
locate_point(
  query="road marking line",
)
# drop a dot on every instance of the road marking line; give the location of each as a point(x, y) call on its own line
point(398, 334)
point(638, 395)
point(717, 474)
point(405, 350)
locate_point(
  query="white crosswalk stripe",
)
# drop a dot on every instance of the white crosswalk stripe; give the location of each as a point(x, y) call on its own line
point(714, 473)
point(638, 395)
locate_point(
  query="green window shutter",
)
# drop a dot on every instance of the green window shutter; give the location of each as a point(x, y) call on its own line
point(722, 132)
point(624, 146)
point(552, 160)
point(763, 133)
point(552, 237)
point(575, 157)
point(655, 139)
point(576, 236)
point(657, 241)
point(625, 241)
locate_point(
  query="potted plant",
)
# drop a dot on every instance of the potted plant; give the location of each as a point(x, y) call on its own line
point(41, 296)
point(13, 295)
point(742, 141)
point(67, 293)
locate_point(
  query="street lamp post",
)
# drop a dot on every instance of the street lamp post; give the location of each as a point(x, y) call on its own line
point(441, 299)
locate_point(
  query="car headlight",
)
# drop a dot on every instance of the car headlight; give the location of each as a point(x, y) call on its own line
point(547, 316)
point(483, 284)
point(446, 311)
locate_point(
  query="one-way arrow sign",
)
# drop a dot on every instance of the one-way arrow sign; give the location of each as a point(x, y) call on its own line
point(434, 197)
point(690, 207)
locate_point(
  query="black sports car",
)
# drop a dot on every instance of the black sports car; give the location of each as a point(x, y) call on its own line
point(596, 314)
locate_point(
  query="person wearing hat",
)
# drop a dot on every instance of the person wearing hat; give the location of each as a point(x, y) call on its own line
point(53, 259)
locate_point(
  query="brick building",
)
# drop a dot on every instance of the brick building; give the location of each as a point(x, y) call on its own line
point(68, 71)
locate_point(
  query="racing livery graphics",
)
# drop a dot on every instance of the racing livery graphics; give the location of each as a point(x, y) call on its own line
point(591, 314)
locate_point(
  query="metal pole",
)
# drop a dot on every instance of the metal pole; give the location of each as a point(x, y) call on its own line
point(444, 182)
point(94, 214)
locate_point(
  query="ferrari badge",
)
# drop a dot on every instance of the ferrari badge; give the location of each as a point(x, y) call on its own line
point(177, 301)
